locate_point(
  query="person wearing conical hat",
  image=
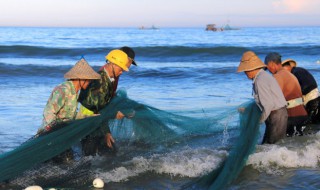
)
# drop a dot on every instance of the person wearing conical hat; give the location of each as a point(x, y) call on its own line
point(268, 96)
point(309, 88)
point(98, 95)
point(289, 84)
point(63, 101)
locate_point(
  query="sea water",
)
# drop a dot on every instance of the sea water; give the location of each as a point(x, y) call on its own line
point(179, 70)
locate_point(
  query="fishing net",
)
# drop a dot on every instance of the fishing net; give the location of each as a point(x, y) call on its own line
point(245, 144)
point(47, 175)
point(150, 125)
point(43, 148)
point(146, 125)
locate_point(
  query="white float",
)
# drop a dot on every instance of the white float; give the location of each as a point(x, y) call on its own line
point(34, 187)
point(98, 183)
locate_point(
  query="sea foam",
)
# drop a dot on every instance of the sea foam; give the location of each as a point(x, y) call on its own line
point(186, 163)
point(292, 153)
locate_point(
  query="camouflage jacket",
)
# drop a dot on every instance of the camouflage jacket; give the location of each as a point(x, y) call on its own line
point(98, 93)
point(61, 106)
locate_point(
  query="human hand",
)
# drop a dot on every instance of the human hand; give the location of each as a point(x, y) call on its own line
point(93, 115)
point(261, 120)
point(241, 109)
point(120, 115)
point(109, 140)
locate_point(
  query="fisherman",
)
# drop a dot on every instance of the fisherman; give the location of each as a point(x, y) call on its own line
point(63, 102)
point(289, 84)
point(309, 88)
point(268, 97)
point(131, 55)
point(99, 94)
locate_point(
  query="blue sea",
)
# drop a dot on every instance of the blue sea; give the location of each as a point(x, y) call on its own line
point(179, 70)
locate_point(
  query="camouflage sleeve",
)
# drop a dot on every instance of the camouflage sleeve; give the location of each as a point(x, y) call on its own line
point(89, 97)
point(54, 104)
point(97, 95)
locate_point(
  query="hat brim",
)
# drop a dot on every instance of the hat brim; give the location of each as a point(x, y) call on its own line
point(292, 62)
point(249, 62)
point(82, 70)
point(134, 62)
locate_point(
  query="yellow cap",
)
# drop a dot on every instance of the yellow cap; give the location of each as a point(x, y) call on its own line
point(119, 58)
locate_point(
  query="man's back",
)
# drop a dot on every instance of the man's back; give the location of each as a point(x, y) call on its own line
point(291, 90)
point(305, 78)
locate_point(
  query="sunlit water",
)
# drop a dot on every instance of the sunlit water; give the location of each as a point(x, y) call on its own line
point(180, 70)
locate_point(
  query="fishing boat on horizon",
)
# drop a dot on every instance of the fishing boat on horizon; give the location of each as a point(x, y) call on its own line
point(148, 28)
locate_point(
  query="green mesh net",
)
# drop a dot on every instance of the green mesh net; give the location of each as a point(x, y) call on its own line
point(146, 125)
point(236, 160)
point(150, 125)
point(43, 148)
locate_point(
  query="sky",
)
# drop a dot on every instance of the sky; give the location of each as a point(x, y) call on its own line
point(161, 13)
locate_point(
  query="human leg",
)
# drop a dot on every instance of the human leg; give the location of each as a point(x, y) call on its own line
point(276, 125)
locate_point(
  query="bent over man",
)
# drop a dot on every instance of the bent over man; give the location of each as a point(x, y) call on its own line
point(309, 88)
point(291, 90)
point(63, 102)
point(97, 96)
point(268, 97)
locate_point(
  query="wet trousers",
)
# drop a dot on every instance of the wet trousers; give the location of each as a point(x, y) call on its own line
point(276, 126)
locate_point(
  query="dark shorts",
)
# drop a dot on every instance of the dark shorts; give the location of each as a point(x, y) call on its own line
point(276, 126)
point(91, 146)
point(296, 125)
point(95, 145)
point(312, 108)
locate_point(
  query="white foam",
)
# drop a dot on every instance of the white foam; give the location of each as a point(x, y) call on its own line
point(187, 162)
point(271, 158)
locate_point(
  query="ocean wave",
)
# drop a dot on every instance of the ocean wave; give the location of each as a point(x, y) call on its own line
point(32, 70)
point(185, 163)
point(140, 72)
point(292, 153)
point(158, 53)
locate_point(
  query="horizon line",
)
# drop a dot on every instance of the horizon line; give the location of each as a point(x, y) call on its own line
point(158, 27)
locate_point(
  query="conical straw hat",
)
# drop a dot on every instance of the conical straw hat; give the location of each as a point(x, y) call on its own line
point(250, 61)
point(82, 70)
point(292, 62)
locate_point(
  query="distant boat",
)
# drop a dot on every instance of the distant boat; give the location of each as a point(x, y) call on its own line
point(212, 27)
point(148, 28)
point(228, 27)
